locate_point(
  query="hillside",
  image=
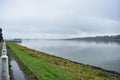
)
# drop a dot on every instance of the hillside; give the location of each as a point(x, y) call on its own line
point(98, 38)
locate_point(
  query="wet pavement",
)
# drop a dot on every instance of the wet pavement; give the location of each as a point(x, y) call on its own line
point(0, 69)
point(4, 69)
point(0, 62)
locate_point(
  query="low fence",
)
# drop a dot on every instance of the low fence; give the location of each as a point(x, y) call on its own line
point(5, 65)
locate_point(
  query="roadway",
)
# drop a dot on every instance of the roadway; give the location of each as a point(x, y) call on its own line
point(0, 68)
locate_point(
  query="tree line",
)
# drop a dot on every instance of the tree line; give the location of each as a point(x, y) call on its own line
point(98, 38)
point(1, 37)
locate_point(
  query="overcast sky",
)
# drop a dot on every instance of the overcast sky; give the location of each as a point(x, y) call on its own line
point(59, 18)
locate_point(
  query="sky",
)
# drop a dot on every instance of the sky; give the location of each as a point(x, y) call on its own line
point(59, 18)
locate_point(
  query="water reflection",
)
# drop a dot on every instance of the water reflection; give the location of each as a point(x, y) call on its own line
point(17, 73)
point(102, 54)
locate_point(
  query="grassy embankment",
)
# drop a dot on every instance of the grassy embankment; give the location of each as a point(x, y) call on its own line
point(48, 67)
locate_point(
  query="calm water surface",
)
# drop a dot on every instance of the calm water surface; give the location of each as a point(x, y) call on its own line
point(105, 55)
point(17, 73)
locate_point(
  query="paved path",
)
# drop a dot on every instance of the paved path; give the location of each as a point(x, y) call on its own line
point(0, 69)
point(0, 61)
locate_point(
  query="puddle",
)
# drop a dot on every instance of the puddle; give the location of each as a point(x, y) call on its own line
point(17, 73)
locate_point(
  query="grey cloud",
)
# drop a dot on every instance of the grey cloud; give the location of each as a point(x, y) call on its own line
point(71, 17)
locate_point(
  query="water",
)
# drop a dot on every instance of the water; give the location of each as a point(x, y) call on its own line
point(17, 73)
point(105, 54)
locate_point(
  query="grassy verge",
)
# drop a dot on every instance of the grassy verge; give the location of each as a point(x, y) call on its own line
point(29, 74)
point(48, 67)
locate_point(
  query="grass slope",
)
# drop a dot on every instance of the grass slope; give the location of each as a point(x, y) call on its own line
point(49, 67)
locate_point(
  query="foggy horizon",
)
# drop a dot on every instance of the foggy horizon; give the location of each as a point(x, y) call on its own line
point(51, 19)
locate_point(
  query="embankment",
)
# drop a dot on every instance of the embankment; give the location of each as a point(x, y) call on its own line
point(42, 66)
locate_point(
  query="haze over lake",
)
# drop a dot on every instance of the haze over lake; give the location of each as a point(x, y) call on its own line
point(104, 55)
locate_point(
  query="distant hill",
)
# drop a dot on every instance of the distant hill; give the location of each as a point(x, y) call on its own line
point(97, 38)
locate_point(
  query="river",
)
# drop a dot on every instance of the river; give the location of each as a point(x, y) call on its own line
point(101, 54)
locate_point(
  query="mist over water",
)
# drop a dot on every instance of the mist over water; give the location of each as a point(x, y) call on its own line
point(103, 54)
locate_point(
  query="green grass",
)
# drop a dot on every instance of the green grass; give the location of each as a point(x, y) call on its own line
point(49, 67)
